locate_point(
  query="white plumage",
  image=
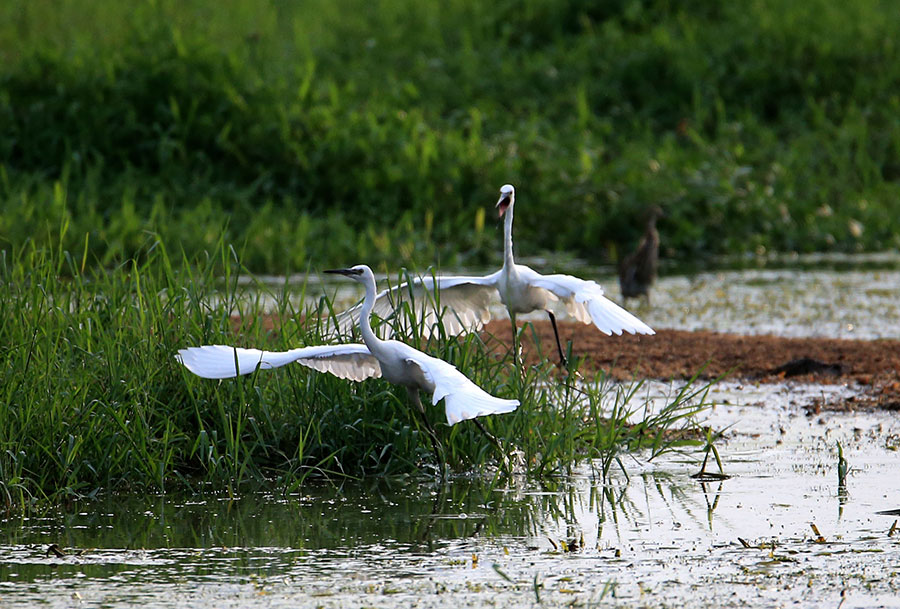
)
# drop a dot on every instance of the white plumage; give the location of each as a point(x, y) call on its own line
point(353, 362)
point(465, 301)
point(397, 362)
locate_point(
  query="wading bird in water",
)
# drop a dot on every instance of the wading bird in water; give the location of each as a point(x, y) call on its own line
point(637, 271)
point(465, 301)
point(395, 361)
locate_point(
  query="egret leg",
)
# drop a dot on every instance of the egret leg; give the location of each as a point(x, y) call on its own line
point(435, 443)
point(562, 358)
point(493, 440)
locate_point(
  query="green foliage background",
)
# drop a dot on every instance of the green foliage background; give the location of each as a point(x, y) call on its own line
point(332, 132)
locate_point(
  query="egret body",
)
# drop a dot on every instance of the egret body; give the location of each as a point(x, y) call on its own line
point(397, 362)
point(465, 300)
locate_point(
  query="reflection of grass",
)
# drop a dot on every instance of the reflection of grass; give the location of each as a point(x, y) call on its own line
point(324, 516)
point(334, 128)
point(95, 400)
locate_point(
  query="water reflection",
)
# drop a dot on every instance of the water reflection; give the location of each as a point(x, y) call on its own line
point(326, 517)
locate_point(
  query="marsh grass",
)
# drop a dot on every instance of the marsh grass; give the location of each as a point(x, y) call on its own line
point(94, 400)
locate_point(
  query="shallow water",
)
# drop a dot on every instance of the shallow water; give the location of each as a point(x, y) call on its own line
point(657, 538)
point(834, 304)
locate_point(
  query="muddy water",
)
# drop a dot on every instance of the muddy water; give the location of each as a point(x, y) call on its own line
point(655, 538)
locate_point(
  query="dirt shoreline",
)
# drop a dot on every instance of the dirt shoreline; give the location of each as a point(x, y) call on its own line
point(871, 364)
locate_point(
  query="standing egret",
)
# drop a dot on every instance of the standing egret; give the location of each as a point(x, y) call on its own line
point(466, 300)
point(637, 271)
point(395, 361)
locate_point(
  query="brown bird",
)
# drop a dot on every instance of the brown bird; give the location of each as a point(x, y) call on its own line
point(54, 549)
point(637, 271)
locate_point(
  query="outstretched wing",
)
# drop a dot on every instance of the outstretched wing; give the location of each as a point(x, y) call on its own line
point(462, 304)
point(585, 302)
point(463, 399)
point(352, 361)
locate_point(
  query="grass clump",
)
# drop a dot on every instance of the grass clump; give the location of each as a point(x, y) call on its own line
point(95, 401)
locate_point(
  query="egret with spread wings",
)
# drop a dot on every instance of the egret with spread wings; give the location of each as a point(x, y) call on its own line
point(464, 302)
point(395, 361)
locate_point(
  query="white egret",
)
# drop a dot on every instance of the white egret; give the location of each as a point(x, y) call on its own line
point(397, 362)
point(465, 301)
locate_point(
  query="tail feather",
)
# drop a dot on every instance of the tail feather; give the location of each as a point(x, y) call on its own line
point(468, 402)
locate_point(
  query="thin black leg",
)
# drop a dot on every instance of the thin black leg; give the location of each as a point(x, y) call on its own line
point(435, 443)
point(562, 358)
point(493, 440)
point(488, 434)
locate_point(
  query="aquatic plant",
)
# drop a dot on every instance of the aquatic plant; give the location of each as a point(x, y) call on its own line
point(843, 469)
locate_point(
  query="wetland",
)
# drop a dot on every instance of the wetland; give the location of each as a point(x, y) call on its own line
point(784, 529)
point(157, 157)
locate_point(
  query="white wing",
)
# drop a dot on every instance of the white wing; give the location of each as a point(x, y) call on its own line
point(350, 361)
point(585, 302)
point(463, 399)
point(462, 303)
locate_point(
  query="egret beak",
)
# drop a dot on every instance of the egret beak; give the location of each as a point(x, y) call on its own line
point(346, 272)
point(503, 205)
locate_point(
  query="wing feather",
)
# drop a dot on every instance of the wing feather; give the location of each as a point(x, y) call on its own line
point(461, 304)
point(585, 302)
point(350, 361)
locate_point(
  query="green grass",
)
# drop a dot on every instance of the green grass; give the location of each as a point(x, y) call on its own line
point(94, 401)
point(332, 132)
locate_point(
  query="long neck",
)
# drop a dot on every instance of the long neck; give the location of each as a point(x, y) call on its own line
point(365, 324)
point(508, 261)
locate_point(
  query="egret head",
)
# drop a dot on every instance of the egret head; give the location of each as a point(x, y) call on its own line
point(507, 198)
point(357, 273)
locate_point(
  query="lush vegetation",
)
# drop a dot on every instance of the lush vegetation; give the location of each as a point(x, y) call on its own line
point(93, 398)
point(334, 132)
